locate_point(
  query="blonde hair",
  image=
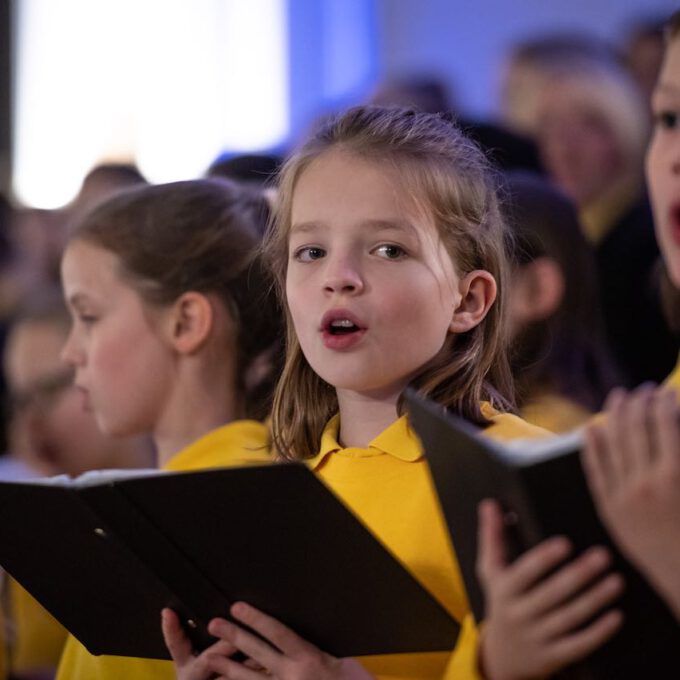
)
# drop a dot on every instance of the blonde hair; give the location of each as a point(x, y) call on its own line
point(449, 178)
point(609, 91)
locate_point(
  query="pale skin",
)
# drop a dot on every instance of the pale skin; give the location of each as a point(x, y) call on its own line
point(284, 654)
point(632, 462)
point(117, 341)
point(350, 249)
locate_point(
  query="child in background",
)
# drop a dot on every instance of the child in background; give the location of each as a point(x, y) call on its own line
point(632, 457)
point(51, 433)
point(559, 357)
point(51, 430)
point(172, 332)
point(389, 245)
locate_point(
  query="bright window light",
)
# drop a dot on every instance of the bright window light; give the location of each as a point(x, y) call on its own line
point(168, 84)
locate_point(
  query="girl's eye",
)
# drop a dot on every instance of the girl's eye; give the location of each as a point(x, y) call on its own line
point(308, 254)
point(87, 319)
point(390, 252)
point(667, 120)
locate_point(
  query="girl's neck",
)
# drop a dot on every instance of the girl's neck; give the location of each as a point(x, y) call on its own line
point(364, 417)
point(200, 404)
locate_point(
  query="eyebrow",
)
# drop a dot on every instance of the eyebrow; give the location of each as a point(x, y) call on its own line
point(374, 225)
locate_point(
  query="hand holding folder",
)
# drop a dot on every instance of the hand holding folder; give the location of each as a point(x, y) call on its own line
point(105, 556)
point(542, 491)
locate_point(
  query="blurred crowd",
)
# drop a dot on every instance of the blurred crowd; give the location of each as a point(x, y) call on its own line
point(586, 301)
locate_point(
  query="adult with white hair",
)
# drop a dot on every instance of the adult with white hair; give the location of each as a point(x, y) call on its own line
point(592, 129)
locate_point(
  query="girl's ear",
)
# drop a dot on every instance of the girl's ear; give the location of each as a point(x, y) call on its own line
point(540, 291)
point(478, 292)
point(191, 322)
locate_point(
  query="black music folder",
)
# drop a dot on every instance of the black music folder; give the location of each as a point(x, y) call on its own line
point(104, 555)
point(542, 489)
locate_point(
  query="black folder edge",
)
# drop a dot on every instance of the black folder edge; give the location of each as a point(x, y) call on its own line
point(116, 490)
point(653, 648)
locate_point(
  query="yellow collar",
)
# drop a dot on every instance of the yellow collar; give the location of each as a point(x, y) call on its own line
point(238, 441)
point(397, 440)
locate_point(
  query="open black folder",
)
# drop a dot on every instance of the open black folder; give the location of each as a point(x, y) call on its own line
point(104, 557)
point(542, 489)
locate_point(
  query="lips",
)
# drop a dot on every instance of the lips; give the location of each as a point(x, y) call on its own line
point(341, 329)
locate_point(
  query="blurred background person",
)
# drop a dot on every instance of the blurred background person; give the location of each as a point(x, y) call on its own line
point(592, 130)
point(51, 432)
point(643, 50)
point(504, 147)
point(530, 68)
point(560, 360)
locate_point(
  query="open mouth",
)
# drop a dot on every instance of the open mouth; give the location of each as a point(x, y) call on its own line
point(342, 327)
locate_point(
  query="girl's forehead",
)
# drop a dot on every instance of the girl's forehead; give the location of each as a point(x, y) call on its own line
point(88, 265)
point(343, 183)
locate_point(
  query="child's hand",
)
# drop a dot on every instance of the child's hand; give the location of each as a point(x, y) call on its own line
point(187, 665)
point(632, 462)
point(281, 654)
point(534, 621)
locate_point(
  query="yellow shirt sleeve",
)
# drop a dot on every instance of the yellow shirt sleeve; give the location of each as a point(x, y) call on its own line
point(78, 664)
point(237, 443)
point(38, 637)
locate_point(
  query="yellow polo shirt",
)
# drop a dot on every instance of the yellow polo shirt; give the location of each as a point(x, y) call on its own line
point(39, 638)
point(555, 412)
point(238, 443)
point(388, 485)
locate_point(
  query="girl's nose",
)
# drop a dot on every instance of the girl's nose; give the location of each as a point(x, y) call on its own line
point(343, 276)
point(70, 352)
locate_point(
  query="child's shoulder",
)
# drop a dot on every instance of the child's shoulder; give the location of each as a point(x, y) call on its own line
point(506, 426)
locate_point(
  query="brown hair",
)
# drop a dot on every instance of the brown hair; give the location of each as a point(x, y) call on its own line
point(673, 26)
point(449, 179)
point(199, 235)
point(566, 352)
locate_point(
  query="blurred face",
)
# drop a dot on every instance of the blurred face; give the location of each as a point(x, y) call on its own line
point(578, 147)
point(663, 161)
point(370, 287)
point(51, 428)
point(116, 346)
point(520, 94)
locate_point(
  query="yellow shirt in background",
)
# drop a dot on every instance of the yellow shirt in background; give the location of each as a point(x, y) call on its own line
point(555, 413)
point(388, 486)
point(38, 638)
point(238, 443)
